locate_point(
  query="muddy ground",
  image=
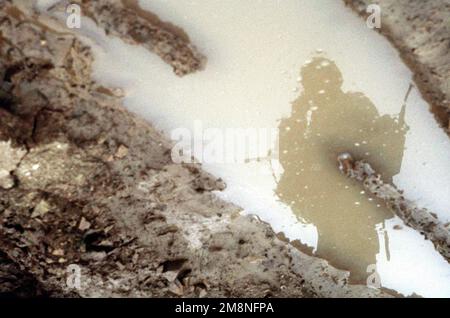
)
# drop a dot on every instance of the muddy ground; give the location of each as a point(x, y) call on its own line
point(85, 182)
point(420, 30)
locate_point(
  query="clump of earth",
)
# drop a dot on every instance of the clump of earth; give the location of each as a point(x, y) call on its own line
point(87, 186)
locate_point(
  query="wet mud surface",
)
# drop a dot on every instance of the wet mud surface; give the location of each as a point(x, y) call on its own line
point(86, 183)
point(83, 181)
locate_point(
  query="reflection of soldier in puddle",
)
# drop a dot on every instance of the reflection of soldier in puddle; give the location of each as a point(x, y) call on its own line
point(324, 122)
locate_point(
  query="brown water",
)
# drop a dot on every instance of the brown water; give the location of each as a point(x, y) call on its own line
point(324, 122)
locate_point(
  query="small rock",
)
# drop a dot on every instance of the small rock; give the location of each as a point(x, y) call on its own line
point(176, 288)
point(106, 243)
point(170, 275)
point(40, 209)
point(108, 228)
point(202, 293)
point(110, 159)
point(6, 181)
point(121, 152)
point(84, 225)
point(93, 256)
point(120, 265)
point(58, 252)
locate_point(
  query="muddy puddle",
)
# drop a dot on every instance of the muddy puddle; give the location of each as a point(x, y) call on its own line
point(324, 122)
point(249, 82)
